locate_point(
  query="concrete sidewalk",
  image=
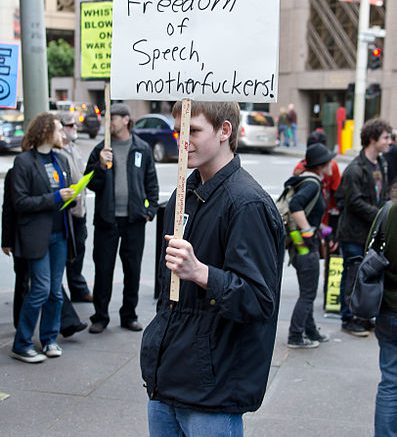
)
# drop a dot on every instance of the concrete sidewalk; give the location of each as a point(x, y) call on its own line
point(95, 388)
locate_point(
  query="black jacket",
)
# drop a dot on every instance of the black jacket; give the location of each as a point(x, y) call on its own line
point(357, 200)
point(391, 158)
point(34, 203)
point(8, 220)
point(142, 185)
point(212, 351)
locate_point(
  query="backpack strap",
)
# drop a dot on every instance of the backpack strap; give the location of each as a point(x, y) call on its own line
point(378, 227)
point(310, 205)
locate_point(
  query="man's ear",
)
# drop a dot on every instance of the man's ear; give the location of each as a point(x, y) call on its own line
point(226, 130)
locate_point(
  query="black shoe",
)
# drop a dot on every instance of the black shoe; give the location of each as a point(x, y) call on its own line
point(302, 343)
point(70, 330)
point(132, 326)
point(29, 356)
point(86, 298)
point(354, 328)
point(316, 336)
point(96, 328)
point(368, 325)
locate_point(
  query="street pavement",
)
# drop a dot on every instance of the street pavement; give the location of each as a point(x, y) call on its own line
point(95, 388)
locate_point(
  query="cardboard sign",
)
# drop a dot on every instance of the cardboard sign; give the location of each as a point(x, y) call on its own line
point(332, 296)
point(96, 39)
point(8, 75)
point(218, 50)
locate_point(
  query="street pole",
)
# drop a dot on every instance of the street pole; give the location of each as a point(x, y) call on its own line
point(34, 58)
point(361, 74)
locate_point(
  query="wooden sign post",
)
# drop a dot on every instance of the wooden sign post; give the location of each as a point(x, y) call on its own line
point(107, 145)
point(181, 186)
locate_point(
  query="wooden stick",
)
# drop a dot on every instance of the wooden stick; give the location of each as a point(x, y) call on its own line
point(107, 145)
point(181, 186)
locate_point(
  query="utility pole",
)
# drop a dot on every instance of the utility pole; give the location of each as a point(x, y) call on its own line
point(34, 58)
point(361, 74)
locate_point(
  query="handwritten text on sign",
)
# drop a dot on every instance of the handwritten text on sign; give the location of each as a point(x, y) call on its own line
point(202, 49)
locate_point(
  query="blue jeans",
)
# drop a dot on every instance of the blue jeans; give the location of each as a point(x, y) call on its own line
point(283, 132)
point(349, 251)
point(45, 294)
point(294, 129)
point(168, 421)
point(386, 398)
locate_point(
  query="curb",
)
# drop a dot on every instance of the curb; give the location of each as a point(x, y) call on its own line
point(300, 153)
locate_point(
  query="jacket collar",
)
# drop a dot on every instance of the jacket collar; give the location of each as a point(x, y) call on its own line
point(366, 161)
point(204, 191)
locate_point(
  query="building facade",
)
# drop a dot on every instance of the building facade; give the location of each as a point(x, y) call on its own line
point(318, 40)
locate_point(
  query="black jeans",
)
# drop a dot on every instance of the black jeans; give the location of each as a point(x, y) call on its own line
point(308, 271)
point(76, 281)
point(106, 242)
point(21, 269)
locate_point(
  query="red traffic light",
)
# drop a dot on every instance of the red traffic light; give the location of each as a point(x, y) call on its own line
point(376, 52)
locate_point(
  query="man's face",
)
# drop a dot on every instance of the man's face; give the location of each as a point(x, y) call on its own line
point(58, 134)
point(327, 169)
point(204, 147)
point(383, 143)
point(70, 131)
point(119, 125)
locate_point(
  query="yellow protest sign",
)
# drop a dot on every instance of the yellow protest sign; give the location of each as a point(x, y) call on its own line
point(79, 187)
point(95, 39)
point(332, 299)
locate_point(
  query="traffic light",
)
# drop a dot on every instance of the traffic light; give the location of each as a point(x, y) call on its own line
point(374, 59)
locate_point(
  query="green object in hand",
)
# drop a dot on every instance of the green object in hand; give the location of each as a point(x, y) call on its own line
point(299, 244)
point(78, 188)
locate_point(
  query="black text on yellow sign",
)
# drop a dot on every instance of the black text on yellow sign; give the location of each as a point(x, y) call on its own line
point(332, 300)
point(96, 39)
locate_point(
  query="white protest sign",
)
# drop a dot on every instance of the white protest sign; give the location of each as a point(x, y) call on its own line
point(200, 49)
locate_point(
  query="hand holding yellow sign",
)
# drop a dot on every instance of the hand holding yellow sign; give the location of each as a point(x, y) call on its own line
point(78, 188)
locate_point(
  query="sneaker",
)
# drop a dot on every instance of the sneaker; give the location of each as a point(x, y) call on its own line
point(316, 336)
point(302, 343)
point(354, 328)
point(52, 350)
point(28, 356)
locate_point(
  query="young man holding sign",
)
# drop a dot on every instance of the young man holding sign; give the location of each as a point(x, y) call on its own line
point(206, 358)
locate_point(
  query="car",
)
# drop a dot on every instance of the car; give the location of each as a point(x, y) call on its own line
point(257, 131)
point(11, 129)
point(158, 131)
point(87, 116)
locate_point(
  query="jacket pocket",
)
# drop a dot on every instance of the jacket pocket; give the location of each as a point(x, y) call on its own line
point(204, 361)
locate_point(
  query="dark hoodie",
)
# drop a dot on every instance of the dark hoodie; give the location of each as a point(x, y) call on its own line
point(303, 196)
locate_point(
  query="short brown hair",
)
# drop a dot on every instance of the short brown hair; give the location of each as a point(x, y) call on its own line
point(372, 130)
point(216, 113)
point(40, 131)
